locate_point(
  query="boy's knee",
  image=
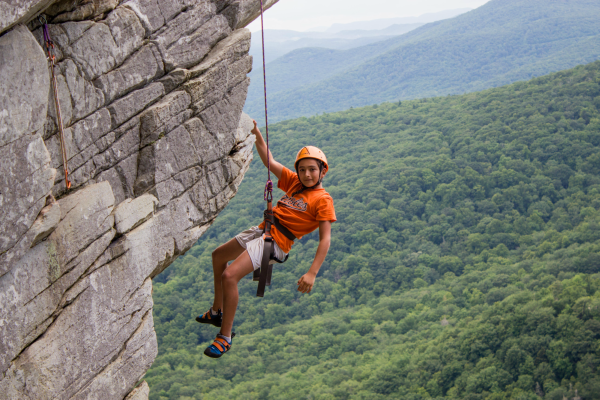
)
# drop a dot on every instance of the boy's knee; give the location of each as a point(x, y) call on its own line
point(227, 276)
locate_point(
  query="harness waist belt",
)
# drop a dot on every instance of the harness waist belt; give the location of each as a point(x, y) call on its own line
point(283, 229)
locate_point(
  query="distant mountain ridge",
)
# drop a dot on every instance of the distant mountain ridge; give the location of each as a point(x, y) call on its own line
point(385, 22)
point(290, 71)
point(501, 42)
point(279, 42)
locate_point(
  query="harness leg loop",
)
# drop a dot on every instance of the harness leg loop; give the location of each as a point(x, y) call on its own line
point(264, 266)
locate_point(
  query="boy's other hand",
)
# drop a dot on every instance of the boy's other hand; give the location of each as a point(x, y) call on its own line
point(306, 282)
point(255, 131)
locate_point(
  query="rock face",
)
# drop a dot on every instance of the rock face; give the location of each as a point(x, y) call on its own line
point(151, 95)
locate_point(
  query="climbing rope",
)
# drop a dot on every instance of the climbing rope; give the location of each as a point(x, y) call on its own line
point(268, 195)
point(263, 274)
point(52, 59)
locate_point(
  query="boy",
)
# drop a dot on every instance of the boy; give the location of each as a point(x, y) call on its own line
point(305, 207)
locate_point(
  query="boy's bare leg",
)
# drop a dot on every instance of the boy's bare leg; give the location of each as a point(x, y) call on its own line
point(241, 267)
point(220, 257)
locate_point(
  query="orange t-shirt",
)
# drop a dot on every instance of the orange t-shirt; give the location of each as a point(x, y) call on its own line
point(301, 213)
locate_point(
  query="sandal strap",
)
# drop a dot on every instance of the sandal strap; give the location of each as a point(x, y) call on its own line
point(208, 314)
point(221, 344)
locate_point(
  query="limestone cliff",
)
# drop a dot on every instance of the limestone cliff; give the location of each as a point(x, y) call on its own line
point(151, 94)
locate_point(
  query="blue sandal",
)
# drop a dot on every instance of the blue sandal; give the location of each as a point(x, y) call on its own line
point(219, 347)
point(208, 318)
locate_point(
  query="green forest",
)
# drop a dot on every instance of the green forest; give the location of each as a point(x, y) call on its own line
point(465, 263)
point(501, 42)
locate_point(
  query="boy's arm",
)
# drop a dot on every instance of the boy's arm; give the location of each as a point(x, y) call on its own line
point(261, 147)
point(306, 282)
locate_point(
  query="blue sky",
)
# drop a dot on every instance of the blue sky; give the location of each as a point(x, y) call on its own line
point(302, 15)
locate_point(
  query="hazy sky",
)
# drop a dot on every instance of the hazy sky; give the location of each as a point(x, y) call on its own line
point(306, 14)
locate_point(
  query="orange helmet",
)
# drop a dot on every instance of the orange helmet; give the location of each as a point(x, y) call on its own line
point(312, 152)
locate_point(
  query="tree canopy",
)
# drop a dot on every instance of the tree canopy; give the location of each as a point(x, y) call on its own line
point(464, 264)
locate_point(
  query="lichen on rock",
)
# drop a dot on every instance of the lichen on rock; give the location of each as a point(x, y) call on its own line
point(151, 94)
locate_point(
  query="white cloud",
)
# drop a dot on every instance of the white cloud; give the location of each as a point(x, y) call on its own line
point(308, 14)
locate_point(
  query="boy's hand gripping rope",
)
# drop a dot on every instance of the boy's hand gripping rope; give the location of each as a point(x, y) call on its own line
point(51, 58)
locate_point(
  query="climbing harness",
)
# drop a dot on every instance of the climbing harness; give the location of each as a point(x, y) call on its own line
point(266, 267)
point(52, 59)
point(263, 274)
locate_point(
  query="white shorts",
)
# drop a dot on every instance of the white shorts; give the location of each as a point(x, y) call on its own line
point(252, 241)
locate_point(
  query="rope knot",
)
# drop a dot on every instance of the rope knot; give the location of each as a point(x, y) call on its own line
point(269, 191)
